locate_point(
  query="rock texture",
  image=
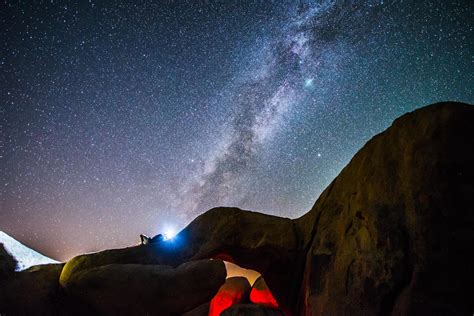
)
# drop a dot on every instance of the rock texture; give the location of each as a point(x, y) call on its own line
point(135, 289)
point(393, 233)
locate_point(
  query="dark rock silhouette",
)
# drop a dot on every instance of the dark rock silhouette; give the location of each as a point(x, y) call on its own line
point(7, 263)
point(392, 234)
point(251, 310)
point(201, 310)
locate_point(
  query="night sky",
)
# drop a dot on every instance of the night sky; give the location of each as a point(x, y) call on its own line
point(121, 119)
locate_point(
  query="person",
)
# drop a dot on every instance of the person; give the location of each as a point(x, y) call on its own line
point(145, 240)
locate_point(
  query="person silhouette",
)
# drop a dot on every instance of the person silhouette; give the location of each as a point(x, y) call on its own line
point(145, 240)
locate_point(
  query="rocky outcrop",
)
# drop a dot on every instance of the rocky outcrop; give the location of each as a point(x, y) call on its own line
point(393, 232)
point(135, 289)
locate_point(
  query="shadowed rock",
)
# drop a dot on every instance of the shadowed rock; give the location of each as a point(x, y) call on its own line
point(201, 310)
point(251, 310)
point(394, 231)
point(34, 291)
point(7, 263)
point(134, 289)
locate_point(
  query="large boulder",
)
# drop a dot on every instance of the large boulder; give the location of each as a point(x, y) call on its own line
point(393, 233)
point(34, 291)
point(135, 289)
point(234, 291)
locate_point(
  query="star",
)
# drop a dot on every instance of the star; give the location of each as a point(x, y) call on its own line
point(308, 82)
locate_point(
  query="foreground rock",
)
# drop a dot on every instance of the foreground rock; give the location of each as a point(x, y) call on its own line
point(393, 233)
point(34, 291)
point(133, 289)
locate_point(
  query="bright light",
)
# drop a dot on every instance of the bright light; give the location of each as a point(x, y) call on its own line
point(308, 82)
point(169, 233)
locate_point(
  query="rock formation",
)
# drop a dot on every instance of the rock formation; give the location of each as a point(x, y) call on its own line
point(392, 234)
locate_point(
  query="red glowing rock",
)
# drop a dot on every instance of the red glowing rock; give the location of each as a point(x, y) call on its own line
point(261, 294)
point(234, 291)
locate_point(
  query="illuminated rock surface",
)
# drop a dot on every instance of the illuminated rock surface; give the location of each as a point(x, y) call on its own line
point(234, 291)
point(261, 294)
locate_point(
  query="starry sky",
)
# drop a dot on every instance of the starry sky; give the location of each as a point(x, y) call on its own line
point(121, 118)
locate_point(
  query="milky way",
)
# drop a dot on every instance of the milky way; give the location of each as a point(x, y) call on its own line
point(121, 119)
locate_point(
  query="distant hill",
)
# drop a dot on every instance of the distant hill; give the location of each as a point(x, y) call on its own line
point(25, 256)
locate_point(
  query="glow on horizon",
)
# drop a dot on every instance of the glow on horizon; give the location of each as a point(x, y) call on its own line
point(170, 232)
